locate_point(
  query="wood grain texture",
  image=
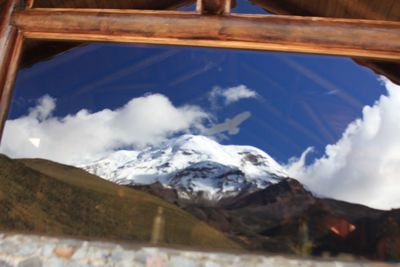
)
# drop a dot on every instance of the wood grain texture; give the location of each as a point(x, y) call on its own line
point(7, 38)
point(357, 9)
point(11, 40)
point(358, 38)
point(7, 84)
point(5, 31)
point(114, 4)
point(7, 42)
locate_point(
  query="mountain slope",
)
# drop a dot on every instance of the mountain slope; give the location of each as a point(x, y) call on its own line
point(194, 165)
point(285, 217)
point(45, 197)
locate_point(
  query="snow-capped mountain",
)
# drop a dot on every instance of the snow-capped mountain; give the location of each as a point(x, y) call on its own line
point(193, 165)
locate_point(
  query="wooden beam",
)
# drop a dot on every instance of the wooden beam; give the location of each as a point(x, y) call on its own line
point(228, 6)
point(6, 34)
point(213, 7)
point(9, 80)
point(7, 38)
point(199, 6)
point(359, 38)
point(11, 40)
point(30, 3)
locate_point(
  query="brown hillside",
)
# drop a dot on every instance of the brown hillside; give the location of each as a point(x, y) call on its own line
point(45, 197)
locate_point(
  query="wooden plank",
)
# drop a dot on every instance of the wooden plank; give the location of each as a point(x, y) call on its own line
point(346, 37)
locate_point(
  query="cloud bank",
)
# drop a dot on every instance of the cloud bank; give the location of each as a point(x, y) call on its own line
point(85, 136)
point(231, 95)
point(364, 165)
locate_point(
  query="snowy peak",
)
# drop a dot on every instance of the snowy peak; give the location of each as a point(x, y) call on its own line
point(193, 164)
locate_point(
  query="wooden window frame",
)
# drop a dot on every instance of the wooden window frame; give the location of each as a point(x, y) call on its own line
point(211, 25)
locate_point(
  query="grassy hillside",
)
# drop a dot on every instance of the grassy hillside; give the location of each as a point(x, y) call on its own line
point(45, 197)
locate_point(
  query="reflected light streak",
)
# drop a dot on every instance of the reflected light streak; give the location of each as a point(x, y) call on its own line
point(325, 84)
point(272, 110)
point(62, 58)
point(193, 73)
point(125, 71)
point(318, 122)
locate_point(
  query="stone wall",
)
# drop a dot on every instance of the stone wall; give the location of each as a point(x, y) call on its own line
point(36, 251)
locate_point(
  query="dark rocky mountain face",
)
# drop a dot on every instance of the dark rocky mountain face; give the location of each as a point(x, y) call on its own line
point(244, 192)
point(286, 218)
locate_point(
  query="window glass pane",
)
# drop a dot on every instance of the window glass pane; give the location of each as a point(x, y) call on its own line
point(248, 7)
point(216, 148)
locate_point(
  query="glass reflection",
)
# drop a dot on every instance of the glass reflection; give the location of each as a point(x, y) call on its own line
point(211, 148)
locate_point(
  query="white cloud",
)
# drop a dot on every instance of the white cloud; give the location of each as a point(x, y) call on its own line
point(44, 109)
point(85, 135)
point(231, 94)
point(364, 165)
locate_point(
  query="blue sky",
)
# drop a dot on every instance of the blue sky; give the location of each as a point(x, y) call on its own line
point(303, 100)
